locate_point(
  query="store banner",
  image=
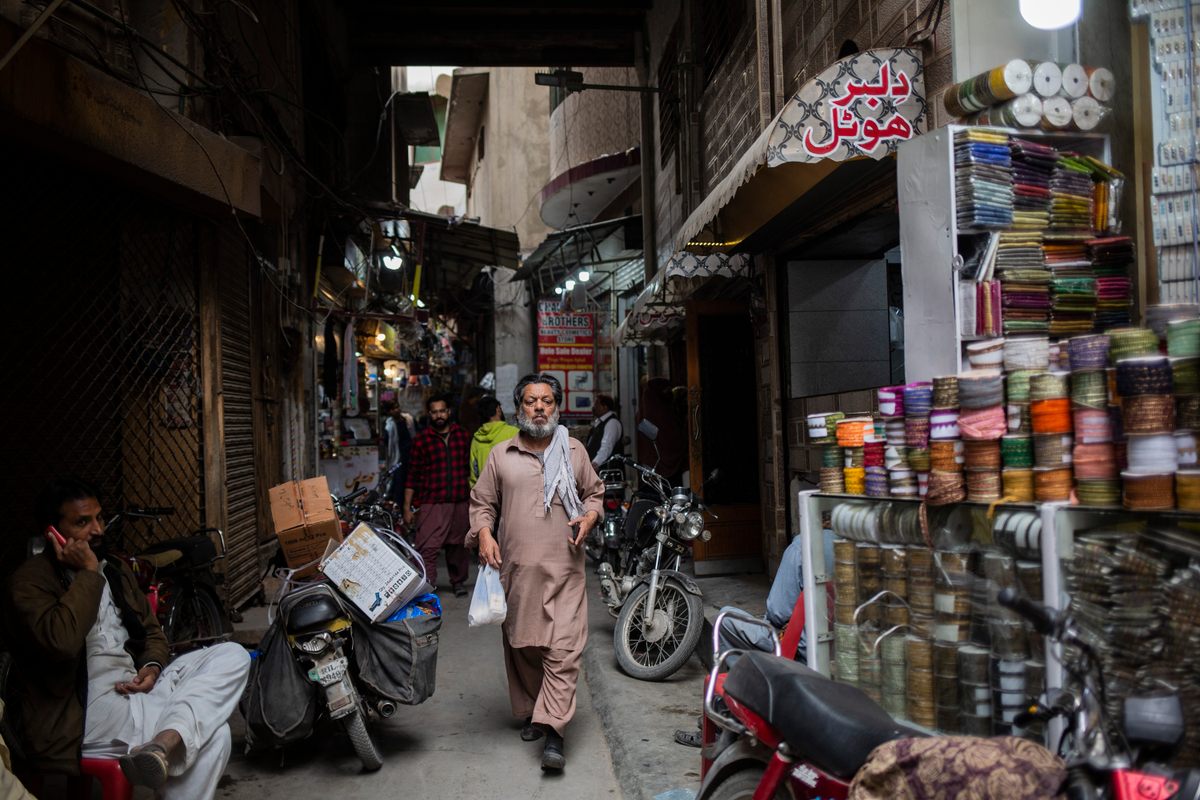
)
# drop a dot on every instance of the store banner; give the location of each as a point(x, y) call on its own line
point(567, 350)
point(862, 105)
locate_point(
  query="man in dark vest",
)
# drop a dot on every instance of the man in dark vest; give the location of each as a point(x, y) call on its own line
point(605, 438)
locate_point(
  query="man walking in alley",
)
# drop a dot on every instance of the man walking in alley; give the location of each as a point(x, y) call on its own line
point(94, 661)
point(492, 432)
point(531, 510)
point(437, 482)
point(604, 439)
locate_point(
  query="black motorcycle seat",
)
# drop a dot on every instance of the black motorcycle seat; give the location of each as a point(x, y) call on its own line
point(312, 614)
point(834, 725)
point(192, 551)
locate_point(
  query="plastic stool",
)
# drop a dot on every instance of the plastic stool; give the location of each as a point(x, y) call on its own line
point(113, 783)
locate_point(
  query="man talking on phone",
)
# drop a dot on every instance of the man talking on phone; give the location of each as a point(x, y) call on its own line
point(95, 663)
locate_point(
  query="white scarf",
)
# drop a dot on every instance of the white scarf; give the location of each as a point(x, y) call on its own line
point(557, 474)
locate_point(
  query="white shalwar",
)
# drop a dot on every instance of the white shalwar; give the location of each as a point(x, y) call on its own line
point(194, 696)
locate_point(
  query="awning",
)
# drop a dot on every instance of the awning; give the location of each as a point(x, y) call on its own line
point(595, 246)
point(659, 309)
point(862, 105)
point(453, 251)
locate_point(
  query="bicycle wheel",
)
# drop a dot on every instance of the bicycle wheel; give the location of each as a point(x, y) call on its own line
point(196, 618)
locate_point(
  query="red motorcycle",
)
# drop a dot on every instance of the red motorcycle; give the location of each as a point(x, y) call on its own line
point(774, 728)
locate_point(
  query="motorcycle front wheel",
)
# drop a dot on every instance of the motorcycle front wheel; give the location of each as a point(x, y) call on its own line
point(741, 786)
point(653, 645)
point(360, 739)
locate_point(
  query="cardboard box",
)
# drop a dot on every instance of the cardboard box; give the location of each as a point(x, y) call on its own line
point(305, 521)
point(374, 575)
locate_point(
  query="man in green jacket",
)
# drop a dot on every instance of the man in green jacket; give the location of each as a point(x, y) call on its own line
point(490, 434)
point(95, 664)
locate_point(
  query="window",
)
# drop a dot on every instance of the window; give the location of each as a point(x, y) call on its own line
point(668, 98)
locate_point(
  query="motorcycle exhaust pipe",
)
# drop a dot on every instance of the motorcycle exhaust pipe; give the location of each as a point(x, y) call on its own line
point(385, 708)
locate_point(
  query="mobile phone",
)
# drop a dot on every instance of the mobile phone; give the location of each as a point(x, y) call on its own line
point(58, 537)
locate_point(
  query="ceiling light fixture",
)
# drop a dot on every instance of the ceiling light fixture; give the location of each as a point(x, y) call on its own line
point(569, 284)
point(1050, 15)
point(584, 276)
point(393, 262)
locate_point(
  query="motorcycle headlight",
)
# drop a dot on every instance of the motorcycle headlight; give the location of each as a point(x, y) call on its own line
point(692, 527)
point(317, 645)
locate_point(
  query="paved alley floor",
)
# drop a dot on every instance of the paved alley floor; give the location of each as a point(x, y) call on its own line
point(462, 742)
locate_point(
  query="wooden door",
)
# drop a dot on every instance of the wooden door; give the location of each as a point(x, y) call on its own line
point(722, 429)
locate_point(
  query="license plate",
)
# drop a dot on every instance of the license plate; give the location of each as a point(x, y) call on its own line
point(329, 672)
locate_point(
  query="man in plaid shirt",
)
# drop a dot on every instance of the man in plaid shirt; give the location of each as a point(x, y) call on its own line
point(437, 484)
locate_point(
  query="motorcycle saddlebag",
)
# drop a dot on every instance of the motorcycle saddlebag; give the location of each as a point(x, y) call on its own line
point(398, 660)
point(280, 702)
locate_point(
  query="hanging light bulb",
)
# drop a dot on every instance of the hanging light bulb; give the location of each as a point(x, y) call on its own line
point(570, 284)
point(381, 337)
point(393, 262)
point(1050, 15)
point(584, 276)
point(558, 290)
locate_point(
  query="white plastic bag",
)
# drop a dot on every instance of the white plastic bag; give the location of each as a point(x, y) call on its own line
point(487, 604)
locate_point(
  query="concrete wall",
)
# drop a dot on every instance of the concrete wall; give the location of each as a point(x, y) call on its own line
point(598, 122)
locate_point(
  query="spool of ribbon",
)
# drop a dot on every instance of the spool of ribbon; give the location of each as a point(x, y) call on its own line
point(945, 488)
point(873, 454)
point(983, 486)
point(879, 428)
point(1095, 461)
point(1114, 397)
point(918, 399)
point(855, 479)
point(1187, 489)
point(903, 482)
point(1185, 444)
point(918, 458)
point(1016, 451)
point(946, 456)
point(1131, 342)
point(893, 457)
point(1151, 413)
point(1188, 408)
point(945, 391)
point(980, 389)
point(851, 432)
point(854, 456)
point(1019, 418)
point(1090, 389)
point(1148, 492)
point(1145, 375)
point(1052, 415)
point(1183, 338)
point(891, 401)
point(1052, 449)
point(1151, 454)
point(1092, 426)
point(982, 423)
point(1096, 492)
point(1026, 352)
point(831, 456)
point(922, 484)
point(916, 431)
point(832, 480)
point(988, 353)
point(943, 424)
point(822, 427)
point(876, 482)
point(1186, 375)
point(982, 454)
point(894, 432)
point(1018, 385)
point(1049, 386)
point(1018, 484)
point(1088, 352)
point(1052, 484)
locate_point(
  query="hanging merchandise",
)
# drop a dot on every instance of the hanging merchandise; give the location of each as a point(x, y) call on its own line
point(350, 397)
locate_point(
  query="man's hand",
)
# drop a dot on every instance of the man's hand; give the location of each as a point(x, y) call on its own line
point(585, 523)
point(76, 554)
point(408, 515)
point(489, 549)
point(143, 682)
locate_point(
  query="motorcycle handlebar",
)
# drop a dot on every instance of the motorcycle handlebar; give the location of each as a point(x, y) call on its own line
point(357, 493)
point(1044, 620)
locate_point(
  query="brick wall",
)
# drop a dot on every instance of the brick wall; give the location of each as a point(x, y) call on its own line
point(814, 30)
point(729, 109)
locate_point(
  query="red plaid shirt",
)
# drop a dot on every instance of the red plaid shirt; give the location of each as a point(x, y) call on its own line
point(438, 467)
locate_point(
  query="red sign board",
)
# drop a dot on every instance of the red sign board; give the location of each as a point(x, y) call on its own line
point(567, 350)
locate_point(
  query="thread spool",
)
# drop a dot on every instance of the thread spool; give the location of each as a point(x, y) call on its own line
point(1017, 387)
point(1151, 454)
point(1018, 484)
point(945, 392)
point(1020, 418)
point(1052, 450)
point(989, 88)
point(1153, 413)
point(946, 456)
point(1087, 114)
point(983, 423)
point(1101, 83)
point(1183, 338)
point(1131, 343)
point(891, 401)
point(918, 399)
point(1056, 113)
point(822, 426)
point(1051, 485)
point(1187, 489)
point(980, 389)
point(982, 454)
point(1147, 492)
point(1049, 386)
point(1092, 426)
point(1186, 445)
point(1095, 462)
point(945, 488)
point(855, 479)
point(1047, 79)
point(1016, 451)
point(916, 431)
point(1186, 375)
point(1144, 375)
point(1098, 492)
point(943, 424)
point(1026, 352)
point(983, 486)
point(854, 456)
point(1023, 111)
point(832, 480)
point(1188, 412)
point(1089, 389)
point(1052, 415)
point(1088, 352)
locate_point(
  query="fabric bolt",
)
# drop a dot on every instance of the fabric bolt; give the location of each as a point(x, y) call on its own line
point(983, 485)
point(443, 526)
point(1186, 445)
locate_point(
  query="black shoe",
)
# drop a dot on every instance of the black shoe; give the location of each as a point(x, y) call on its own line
point(688, 738)
point(530, 732)
point(553, 759)
point(459, 590)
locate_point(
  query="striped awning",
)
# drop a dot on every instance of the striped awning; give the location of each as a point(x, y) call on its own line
point(659, 310)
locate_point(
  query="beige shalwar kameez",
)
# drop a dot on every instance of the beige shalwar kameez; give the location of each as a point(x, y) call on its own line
point(542, 574)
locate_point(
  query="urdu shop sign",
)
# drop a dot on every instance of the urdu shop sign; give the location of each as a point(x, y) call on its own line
point(862, 105)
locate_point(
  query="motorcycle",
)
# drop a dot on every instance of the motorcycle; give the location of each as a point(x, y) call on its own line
point(603, 543)
point(319, 629)
point(659, 609)
point(788, 731)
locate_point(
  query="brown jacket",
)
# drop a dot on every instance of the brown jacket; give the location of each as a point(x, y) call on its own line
point(51, 620)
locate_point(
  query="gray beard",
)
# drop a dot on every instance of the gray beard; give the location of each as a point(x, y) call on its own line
point(532, 429)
